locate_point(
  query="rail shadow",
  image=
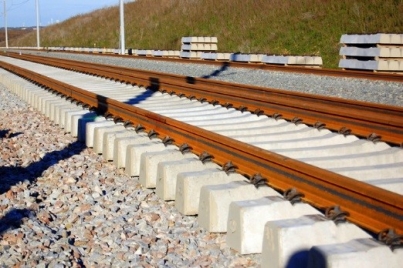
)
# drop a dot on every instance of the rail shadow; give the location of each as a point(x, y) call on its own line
point(217, 72)
point(5, 133)
point(298, 260)
point(152, 88)
point(13, 219)
point(10, 176)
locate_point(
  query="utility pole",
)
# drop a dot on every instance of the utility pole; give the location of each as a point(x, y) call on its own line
point(5, 22)
point(122, 28)
point(38, 42)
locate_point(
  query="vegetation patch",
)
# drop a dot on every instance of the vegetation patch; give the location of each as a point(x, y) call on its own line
point(281, 27)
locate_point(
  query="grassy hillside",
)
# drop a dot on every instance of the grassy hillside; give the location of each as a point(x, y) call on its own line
point(304, 27)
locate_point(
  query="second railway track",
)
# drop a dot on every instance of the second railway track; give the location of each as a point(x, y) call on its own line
point(282, 154)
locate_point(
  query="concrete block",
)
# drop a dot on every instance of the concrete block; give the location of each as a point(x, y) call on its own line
point(108, 141)
point(382, 52)
point(189, 184)
point(191, 54)
point(364, 253)
point(388, 176)
point(292, 60)
point(215, 56)
point(46, 101)
point(82, 126)
point(193, 111)
point(362, 146)
point(35, 98)
point(189, 39)
point(215, 201)
point(160, 53)
point(309, 142)
point(389, 156)
point(90, 130)
point(39, 101)
point(149, 164)
point(143, 52)
point(396, 39)
point(50, 104)
point(376, 65)
point(168, 171)
point(271, 135)
point(379, 38)
point(68, 118)
point(120, 148)
point(314, 61)
point(272, 59)
point(210, 116)
point(62, 114)
point(244, 214)
point(213, 47)
point(174, 53)
point(99, 135)
point(286, 243)
point(75, 119)
point(208, 56)
point(54, 106)
point(247, 57)
point(30, 97)
point(50, 107)
point(134, 152)
point(189, 47)
point(246, 122)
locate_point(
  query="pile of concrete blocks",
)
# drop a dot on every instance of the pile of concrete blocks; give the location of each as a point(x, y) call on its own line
point(243, 57)
point(143, 52)
point(166, 53)
point(193, 46)
point(216, 56)
point(374, 52)
point(305, 61)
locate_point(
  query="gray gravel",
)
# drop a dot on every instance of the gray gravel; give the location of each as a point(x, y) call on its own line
point(62, 205)
point(358, 89)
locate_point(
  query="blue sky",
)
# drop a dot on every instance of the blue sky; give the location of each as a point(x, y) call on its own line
point(22, 13)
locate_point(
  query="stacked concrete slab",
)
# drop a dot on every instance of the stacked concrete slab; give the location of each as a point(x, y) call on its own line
point(375, 52)
point(143, 52)
point(216, 56)
point(166, 53)
point(242, 57)
point(194, 46)
point(306, 61)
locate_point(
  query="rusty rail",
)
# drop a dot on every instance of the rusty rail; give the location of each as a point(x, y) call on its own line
point(368, 120)
point(370, 207)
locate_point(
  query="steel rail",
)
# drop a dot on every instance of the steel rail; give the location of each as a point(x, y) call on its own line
point(370, 207)
point(363, 119)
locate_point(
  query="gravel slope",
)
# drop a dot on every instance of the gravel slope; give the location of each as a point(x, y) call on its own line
point(62, 205)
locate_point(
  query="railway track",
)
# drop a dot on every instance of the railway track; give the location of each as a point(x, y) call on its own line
point(364, 119)
point(266, 150)
point(272, 67)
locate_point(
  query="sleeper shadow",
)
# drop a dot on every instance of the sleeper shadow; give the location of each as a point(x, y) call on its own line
point(217, 72)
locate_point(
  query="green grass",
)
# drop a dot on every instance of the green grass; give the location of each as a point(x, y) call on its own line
point(304, 27)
